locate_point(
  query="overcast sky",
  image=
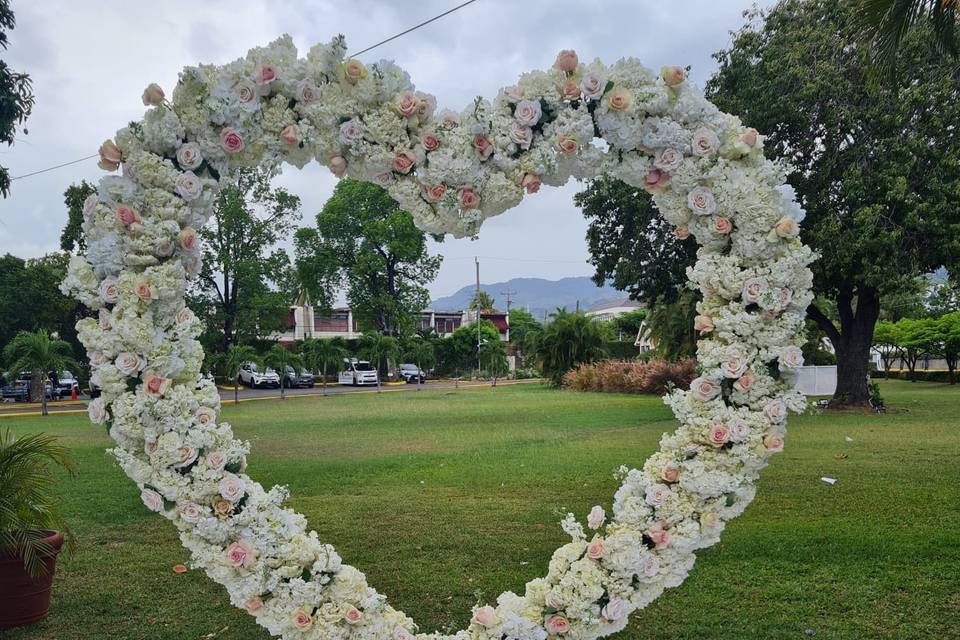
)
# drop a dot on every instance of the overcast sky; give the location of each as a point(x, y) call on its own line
point(90, 61)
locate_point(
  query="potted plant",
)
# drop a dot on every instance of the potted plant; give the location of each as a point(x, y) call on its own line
point(32, 530)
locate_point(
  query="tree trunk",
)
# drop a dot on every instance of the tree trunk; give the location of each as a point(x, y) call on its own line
point(236, 389)
point(852, 343)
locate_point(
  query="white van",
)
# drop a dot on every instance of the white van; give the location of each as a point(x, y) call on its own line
point(357, 373)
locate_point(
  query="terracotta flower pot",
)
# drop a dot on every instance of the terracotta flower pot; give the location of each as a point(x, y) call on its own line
point(23, 599)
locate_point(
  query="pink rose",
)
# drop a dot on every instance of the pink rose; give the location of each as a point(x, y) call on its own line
point(485, 616)
point(253, 605)
point(703, 324)
point(449, 119)
point(667, 159)
point(786, 228)
point(231, 141)
point(513, 93)
point(791, 357)
point(126, 215)
point(189, 156)
point(223, 508)
point(749, 137)
point(184, 316)
point(700, 200)
point(429, 141)
point(556, 624)
point(592, 85)
point(204, 416)
point(142, 289)
point(566, 61)
point(110, 156)
point(188, 239)
point(567, 144)
point(90, 206)
point(97, 411)
point(704, 389)
point(353, 71)
point(216, 460)
point(153, 95)
point(152, 500)
point(705, 142)
point(656, 180)
point(672, 76)
point(744, 382)
point(650, 566)
point(656, 494)
point(190, 512)
point(570, 89)
point(301, 619)
point(681, 231)
point(483, 146)
point(186, 456)
point(290, 135)
point(406, 104)
point(596, 517)
point(240, 554)
point(733, 367)
point(753, 288)
point(773, 443)
point(154, 385)
point(232, 487)
point(722, 225)
point(352, 615)
point(595, 549)
point(467, 198)
point(110, 293)
point(264, 74)
point(775, 410)
point(188, 186)
point(658, 535)
point(669, 473)
point(403, 162)
point(338, 166)
point(434, 193)
point(426, 105)
point(528, 112)
point(530, 182)
point(739, 429)
point(719, 435)
point(521, 134)
point(246, 92)
point(619, 99)
point(306, 92)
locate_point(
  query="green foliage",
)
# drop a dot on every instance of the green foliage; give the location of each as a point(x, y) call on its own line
point(420, 352)
point(28, 501)
point(457, 353)
point(880, 196)
point(230, 361)
point(483, 300)
point(630, 244)
point(670, 326)
point(885, 23)
point(323, 355)
point(39, 352)
point(493, 358)
point(16, 95)
point(380, 350)
point(629, 323)
point(568, 340)
point(279, 358)
point(246, 285)
point(71, 238)
point(365, 243)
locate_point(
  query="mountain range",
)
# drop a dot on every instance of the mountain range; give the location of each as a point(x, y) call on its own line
point(537, 295)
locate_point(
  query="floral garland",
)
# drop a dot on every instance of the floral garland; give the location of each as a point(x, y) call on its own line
point(451, 170)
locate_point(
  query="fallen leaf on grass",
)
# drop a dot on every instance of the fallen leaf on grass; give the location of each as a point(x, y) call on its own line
point(840, 456)
point(179, 568)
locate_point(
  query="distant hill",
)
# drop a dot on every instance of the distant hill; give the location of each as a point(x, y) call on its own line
point(535, 294)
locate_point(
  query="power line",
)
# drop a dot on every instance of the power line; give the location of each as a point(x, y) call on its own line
point(414, 28)
point(370, 48)
point(544, 261)
point(65, 164)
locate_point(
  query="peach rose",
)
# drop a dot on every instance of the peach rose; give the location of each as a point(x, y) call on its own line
point(110, 156)
point(223, 508)
point(672, 76)
point(301, 619)
point(434, 193)
point(619, 99)
point(722, 225)
point(719, 435)
point(669, 473)
point(338, 166)
point(595, 549)
point(566, 143)
point(188, 239)
point(485, 616)
point(744, 382)
point(703, 324)
point(656, 180)
point(290, 135)
point(467, 198)
point(773, 443)
point(155, 386)
point(530, 182)
point(681, 231)
point(749, 137)
point(403, 162)
point(142, 289)
point(570, 89)
point(556, 624)
point(406, 104)
point(566, 61)
point(231, 141)
point(483, 146)
point(186, 456)
point(126, 215)
point(352, 615)
point(429, 141)
point(786, 228)
point(253, 605)
point(353, 71)
point(153, 95)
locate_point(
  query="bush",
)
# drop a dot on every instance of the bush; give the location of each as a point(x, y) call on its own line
point(623, 376)
point(921, 375)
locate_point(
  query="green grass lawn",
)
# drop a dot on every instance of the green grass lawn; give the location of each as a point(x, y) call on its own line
point(445, 496)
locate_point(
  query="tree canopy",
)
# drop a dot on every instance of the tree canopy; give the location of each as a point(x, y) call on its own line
point(16, 94)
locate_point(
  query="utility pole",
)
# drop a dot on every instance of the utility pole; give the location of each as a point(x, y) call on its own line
point(476, 306)
point(508, 294)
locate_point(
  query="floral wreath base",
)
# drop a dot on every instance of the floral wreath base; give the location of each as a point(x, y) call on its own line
point(708, 176)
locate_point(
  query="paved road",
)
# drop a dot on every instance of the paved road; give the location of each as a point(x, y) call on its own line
point(18, 409)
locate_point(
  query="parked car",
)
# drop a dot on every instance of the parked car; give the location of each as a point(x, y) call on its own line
point(19, 389)
point(66, 384)
point(251, 376)
point(297, 380)
point(358, 373)
point(410, 373)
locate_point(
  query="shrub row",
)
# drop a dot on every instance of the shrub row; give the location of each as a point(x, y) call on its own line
point(628, 376)
point(939, 375)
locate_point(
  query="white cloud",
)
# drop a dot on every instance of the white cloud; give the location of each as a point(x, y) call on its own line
point(90, 61)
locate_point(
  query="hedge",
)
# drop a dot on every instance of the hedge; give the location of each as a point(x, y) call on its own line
point(921, 375)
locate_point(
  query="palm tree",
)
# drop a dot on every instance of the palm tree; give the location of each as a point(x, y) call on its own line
point(421, 353)
point(235, 357)
point(570, 339)
point(319, 354)
point(482, 300)
point(279, 357)
point(39, 352)
point(886, 22)
point(378, 348)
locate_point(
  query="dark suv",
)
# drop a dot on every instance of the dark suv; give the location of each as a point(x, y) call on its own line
point(294, 380)
point(19, 389)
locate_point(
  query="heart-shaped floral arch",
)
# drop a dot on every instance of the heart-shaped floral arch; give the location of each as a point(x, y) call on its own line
point(450, 171)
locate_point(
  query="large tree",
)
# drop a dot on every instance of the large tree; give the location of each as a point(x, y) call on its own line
point(244, 290)
point(71, 238)
point(30, 298)
point(366, 244)
point(16, 95)
point(886, 22)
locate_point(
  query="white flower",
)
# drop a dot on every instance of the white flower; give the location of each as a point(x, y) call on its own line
point(753, 288)
point(189, 186)
point(789, 195)
point(152, 500)
point(90, 205)
point(521, 134)
point(130, 364)
point(216, 460)
point(667, 159)
point(190, 512)
point(733, 367)
point(791, 357)
point(189, 156)
point(232, 487)
point(527, 113)
point(705, 142)
point(350, 131)
point(656, 494)
point(97, 411)
point(596, 517)
point(739, 429)
point(592, 85)
point(704, 389)
point(109, 290)
point(700, 201)
point(775, 410)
